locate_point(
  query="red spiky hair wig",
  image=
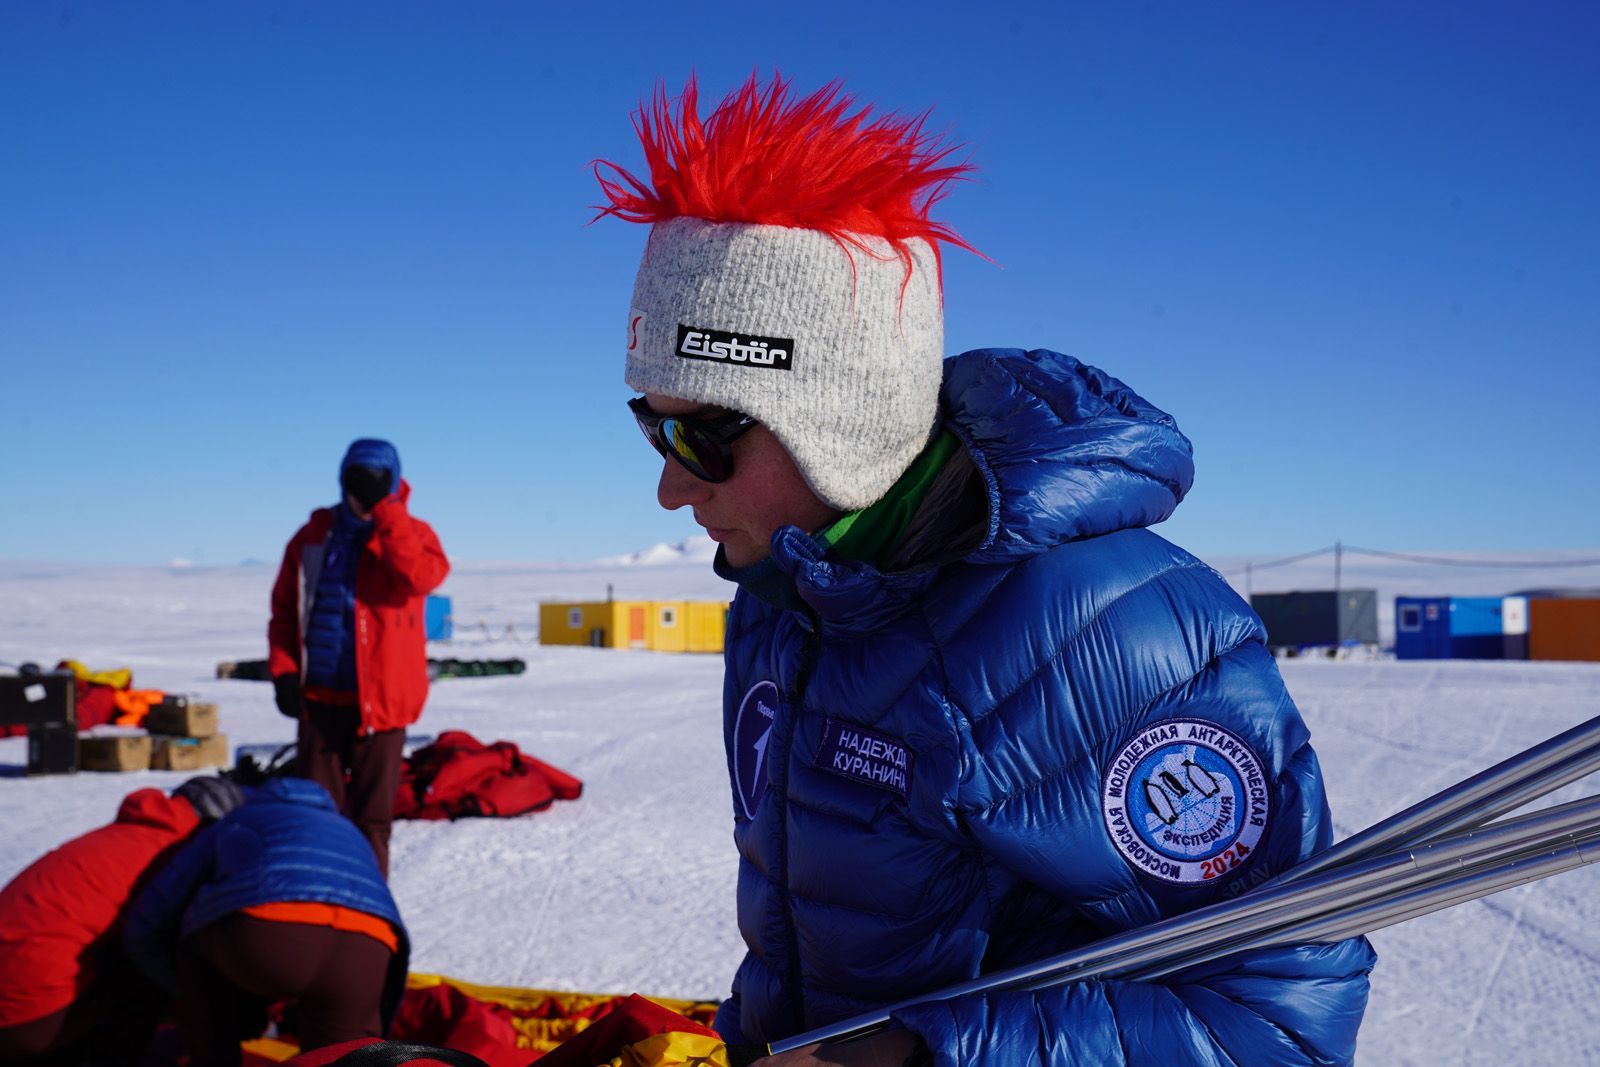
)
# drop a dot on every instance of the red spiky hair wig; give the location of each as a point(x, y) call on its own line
point(813, 163)
point(749, 294)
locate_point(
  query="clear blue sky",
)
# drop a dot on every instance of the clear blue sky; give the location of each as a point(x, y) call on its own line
point(1353, 247)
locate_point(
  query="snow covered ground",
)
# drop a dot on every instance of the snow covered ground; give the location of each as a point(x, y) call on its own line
point(631, 887)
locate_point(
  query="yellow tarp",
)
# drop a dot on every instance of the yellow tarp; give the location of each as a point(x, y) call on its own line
point(541, 1034)
point(120, 678)
point(676, 1049)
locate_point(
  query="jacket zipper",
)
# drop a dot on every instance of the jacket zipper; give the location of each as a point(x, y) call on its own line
point(810, 653)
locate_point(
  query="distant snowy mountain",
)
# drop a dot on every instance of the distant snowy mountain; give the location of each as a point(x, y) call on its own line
point(697, 549)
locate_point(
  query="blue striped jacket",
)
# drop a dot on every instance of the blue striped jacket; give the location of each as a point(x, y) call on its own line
point(287, 843)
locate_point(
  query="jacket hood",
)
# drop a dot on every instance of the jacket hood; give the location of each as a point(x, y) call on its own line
point(372, 452)
point(1066, 450)
point(153, 808)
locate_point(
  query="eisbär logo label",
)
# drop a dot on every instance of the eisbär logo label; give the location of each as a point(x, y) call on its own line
point(752, 727)
point(1185, 801)
point(740, 349)
point(863, 756)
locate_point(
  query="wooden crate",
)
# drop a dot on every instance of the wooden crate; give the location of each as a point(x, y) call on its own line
point(113, 752)
point(185, 719)
point(188, 753)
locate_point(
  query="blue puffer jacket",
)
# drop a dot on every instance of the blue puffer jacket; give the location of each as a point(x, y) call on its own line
point(331, 625)
point(287, 843)
point(1069, 729)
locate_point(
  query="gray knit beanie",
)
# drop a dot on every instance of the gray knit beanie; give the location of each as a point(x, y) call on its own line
point(829, 335)
point(839, 354)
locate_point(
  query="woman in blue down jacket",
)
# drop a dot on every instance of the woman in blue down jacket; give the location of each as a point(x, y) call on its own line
point(976, 714)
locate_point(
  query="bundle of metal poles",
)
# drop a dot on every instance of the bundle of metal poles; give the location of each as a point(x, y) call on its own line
point(1442, 851)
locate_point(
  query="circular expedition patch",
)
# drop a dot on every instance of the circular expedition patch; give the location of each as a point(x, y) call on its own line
point(1185, 801)
point(751, 727)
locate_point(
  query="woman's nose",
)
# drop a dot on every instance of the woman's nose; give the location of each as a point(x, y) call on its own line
point(678, 488)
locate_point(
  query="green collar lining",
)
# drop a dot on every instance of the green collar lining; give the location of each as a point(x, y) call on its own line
point(870, 533)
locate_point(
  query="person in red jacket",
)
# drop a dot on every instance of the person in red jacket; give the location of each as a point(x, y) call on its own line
point(347, 649)
point(66, 988)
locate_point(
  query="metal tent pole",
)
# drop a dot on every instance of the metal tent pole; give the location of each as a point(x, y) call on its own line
point(1510, 783)
point(1579, 850)
point(1374, 879)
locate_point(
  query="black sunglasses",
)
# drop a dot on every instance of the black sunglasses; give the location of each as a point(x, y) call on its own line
point(703, 444)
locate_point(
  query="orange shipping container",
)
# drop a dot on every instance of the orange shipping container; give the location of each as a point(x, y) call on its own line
point(1564, 629)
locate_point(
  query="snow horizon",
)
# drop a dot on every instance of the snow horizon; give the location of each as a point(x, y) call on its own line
point(630, 888)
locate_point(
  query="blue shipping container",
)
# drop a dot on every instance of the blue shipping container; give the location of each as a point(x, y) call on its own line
point(1421, 627)
point(1460, 627)
point(1476, 628)
point(436, 619)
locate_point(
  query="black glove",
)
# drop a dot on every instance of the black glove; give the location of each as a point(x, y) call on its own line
point(367, 484)
point(286, 690)
point(211, 796)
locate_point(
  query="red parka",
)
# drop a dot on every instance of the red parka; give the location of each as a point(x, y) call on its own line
point(60, 911)
point(401, 563)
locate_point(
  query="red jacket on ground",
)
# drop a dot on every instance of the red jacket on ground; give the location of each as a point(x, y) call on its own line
point(62, 908)
point(401, 563)
point(459, 775)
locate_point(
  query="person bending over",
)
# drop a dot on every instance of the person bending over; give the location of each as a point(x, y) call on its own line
point(68, 993)
point(279, 900)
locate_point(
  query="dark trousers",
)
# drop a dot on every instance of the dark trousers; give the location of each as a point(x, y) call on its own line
point(230, 972)
point(111, 1022)
point(360, 773)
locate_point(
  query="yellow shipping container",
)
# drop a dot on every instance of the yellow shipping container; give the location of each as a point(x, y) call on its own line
point(658, 625)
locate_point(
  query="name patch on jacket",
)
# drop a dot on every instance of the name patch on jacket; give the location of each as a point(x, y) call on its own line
point(864, 756)
point(752, 727)
point(1185, 801)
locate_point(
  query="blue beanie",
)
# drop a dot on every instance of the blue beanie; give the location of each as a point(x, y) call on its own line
point(373, 452)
